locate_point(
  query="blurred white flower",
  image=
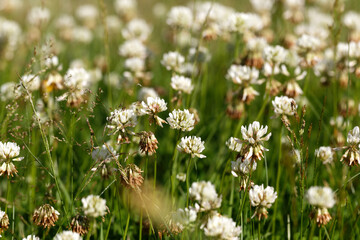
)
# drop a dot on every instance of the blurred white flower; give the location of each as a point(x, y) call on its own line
point(321, 198)
point(172, 61)
point(222, 228)
point(94, 206)
point(125, 8)
point(205, 195)
point(181, 177)
point(38, 16)
point(353, 137)
point(9, 91)
point(31, 237)
point(136, 29)
point(180, 17)
point(325, 154)
point(262, 6)
point(135, 64)
point(308, 43)
point(182, 84)
point(243, 74)
point(67, 235)
point(31, 82)
point(274, 54)
point(146, 92)
point(133, 48)
point(242, 22)
point(185, 216)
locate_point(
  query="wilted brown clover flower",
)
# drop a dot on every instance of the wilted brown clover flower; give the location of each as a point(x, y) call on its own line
point(80, 224)
point(148, 143)
point(4, 221)
point(131, 176)
point(45, 216)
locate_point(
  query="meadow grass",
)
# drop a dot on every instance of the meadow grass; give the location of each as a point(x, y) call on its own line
point(57, 146)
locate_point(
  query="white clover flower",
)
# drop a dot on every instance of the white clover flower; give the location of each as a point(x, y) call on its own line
point(181, 119)
point(180, 17)
point(242, 22)
point(133, 48)
point(239, 74)
point(137, 29)
point(38, 15)
point(9, 152)
point(181, 177)
point(351, 20)
point(284, 105)
point(31, 82)
point(262, 198)
point(192, 145)
point(222, 228)
point(65, 22)
point(154, 105)
point(172, 61)
point(82, 35)
point(234, 144)
point(103, 153)
point(205, 195)
point(4, 221)
point(31, 237)
point(77, 79)
point(182, 84)
point(52, 62)
point(275, 54)
point(325, 154)
point(352, 154)
point(256, 44)
point(135, 64)
point(322, 197)
point(253, 137)
point(308, 43)
point(121, 118)
point(186, 216)
point(146, 92)
point(241, 167)
point(10, 5)
point(126, 8)
point(262, 6)
point(67, 235)
point(94, 206)
point(353, 137)
point(9, 91)
point(87, 12)
point(10, 33)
